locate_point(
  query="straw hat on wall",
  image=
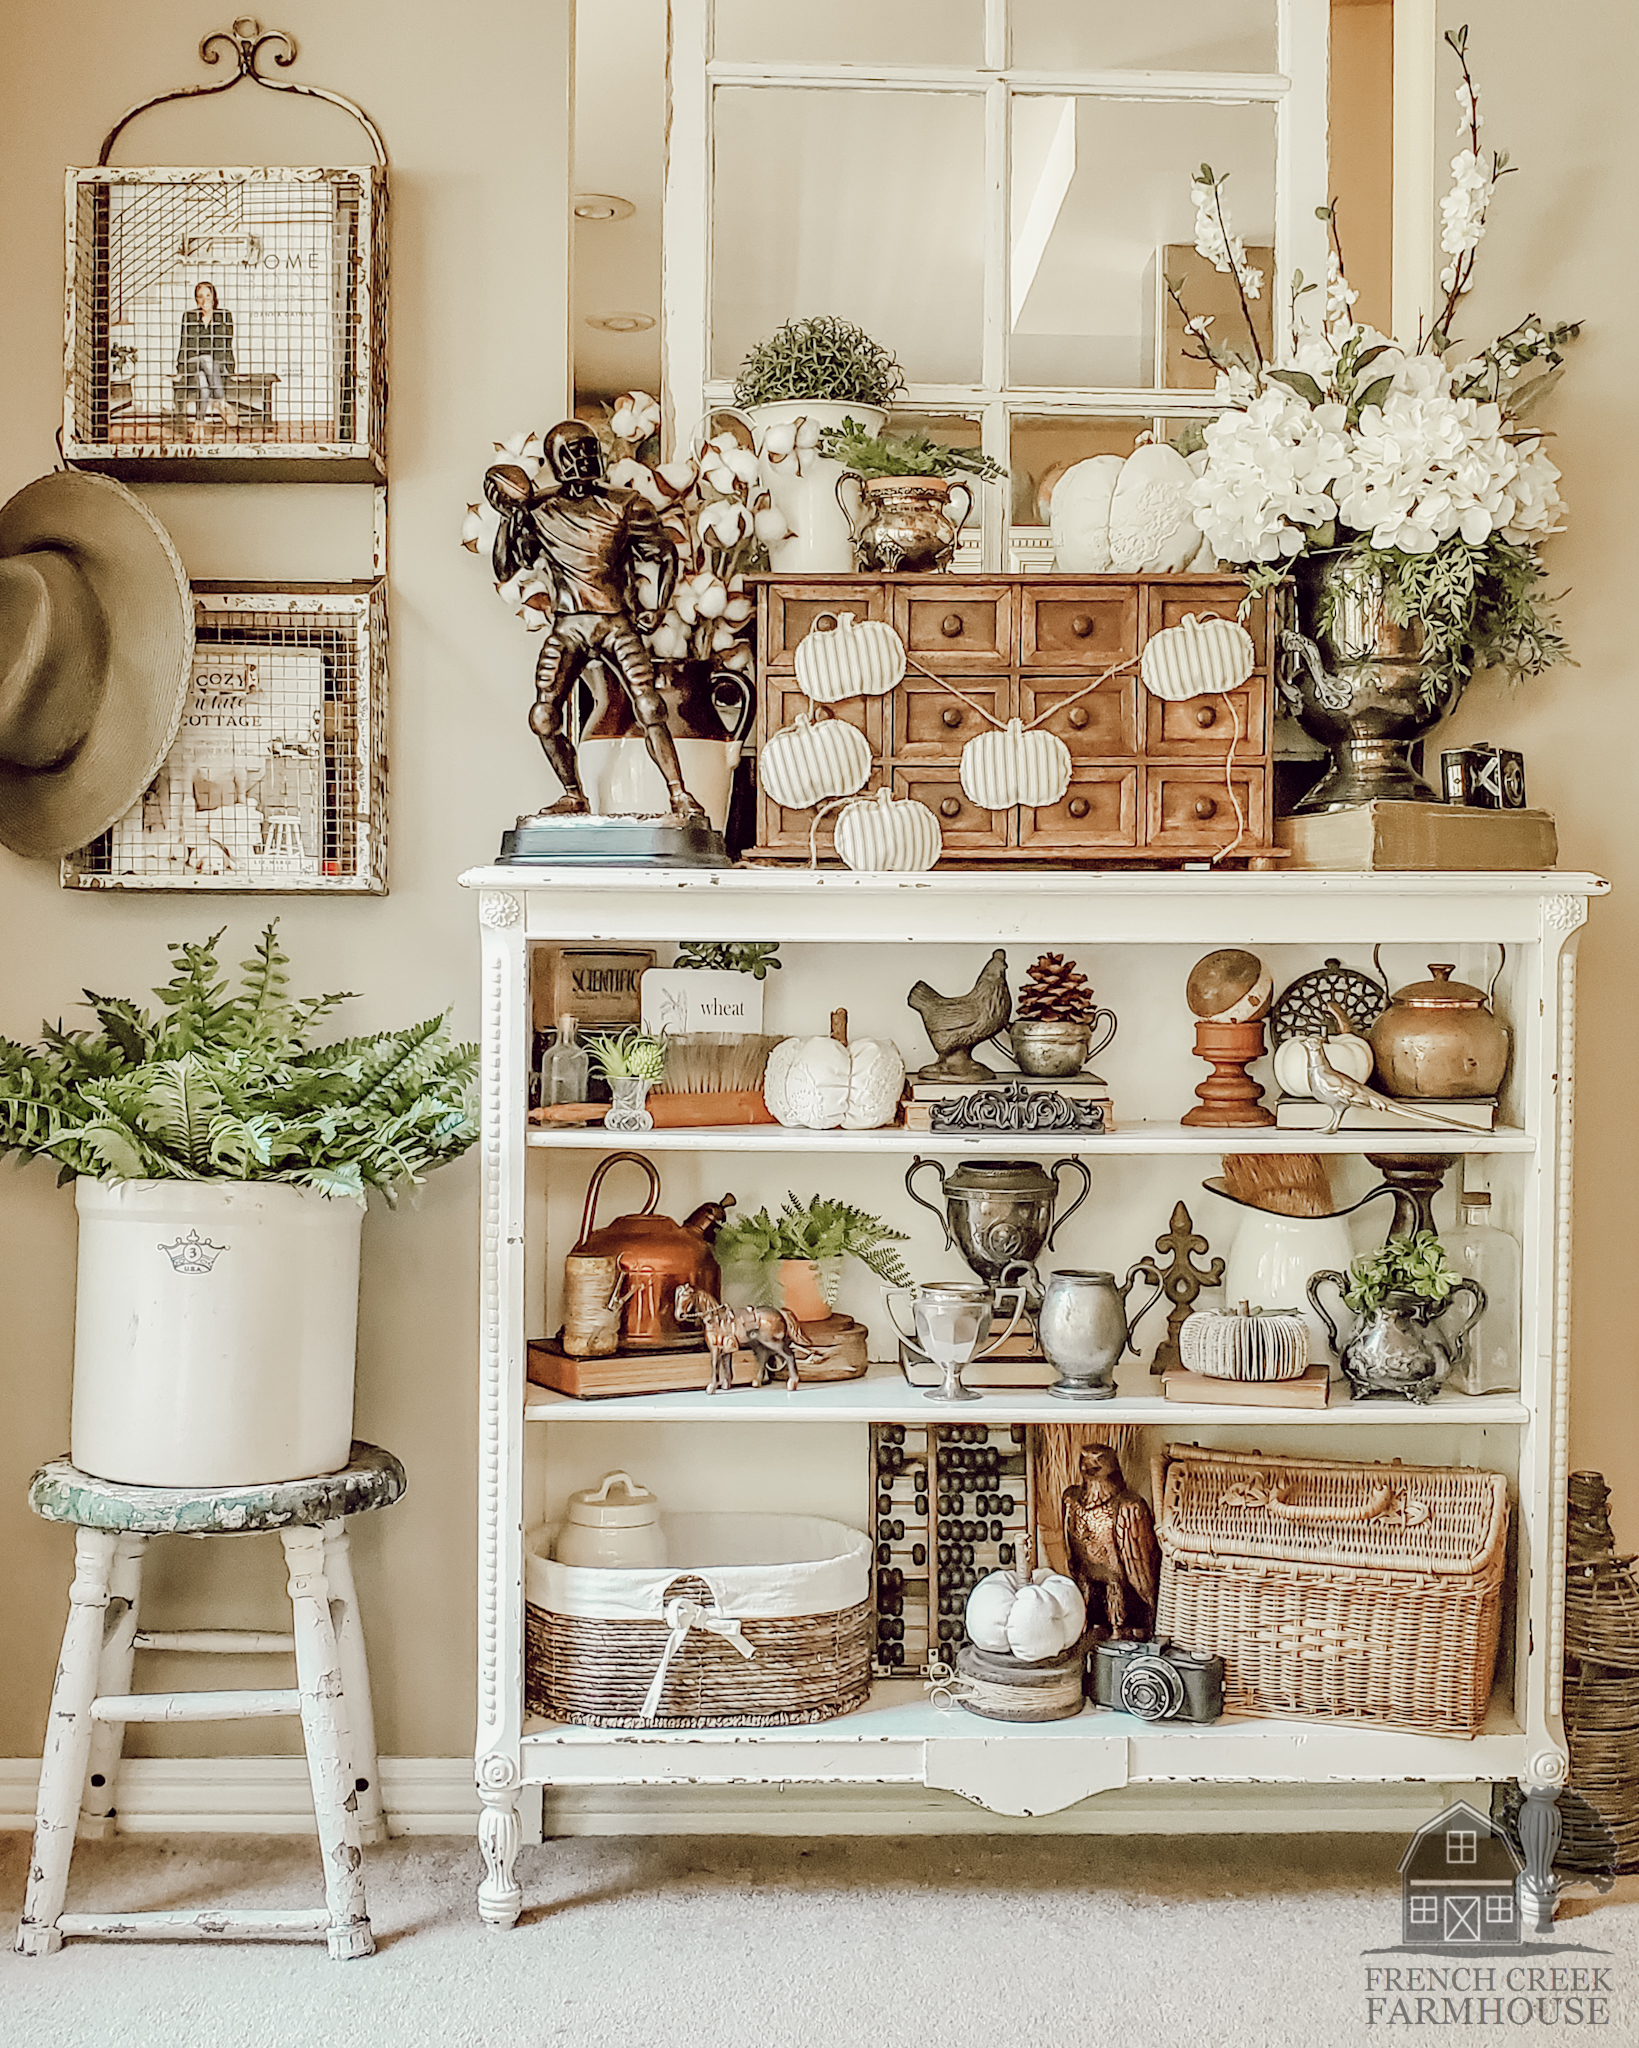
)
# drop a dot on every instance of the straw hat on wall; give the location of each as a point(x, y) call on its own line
point(96, 646)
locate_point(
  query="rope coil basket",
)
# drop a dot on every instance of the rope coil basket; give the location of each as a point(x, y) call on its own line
point(1357, 1592)
point(775, 1632)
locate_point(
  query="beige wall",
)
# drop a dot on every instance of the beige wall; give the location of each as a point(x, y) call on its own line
point(472, 103)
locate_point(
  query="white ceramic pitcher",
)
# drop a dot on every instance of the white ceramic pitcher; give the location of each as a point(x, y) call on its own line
point(804, 487)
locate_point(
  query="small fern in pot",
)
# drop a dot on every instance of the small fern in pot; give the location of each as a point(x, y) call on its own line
point(222, 1157)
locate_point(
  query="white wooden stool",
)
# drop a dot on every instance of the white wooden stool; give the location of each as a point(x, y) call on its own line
point(92, 1700)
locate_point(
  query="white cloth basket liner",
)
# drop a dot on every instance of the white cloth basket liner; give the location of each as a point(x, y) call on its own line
point(757, 1566)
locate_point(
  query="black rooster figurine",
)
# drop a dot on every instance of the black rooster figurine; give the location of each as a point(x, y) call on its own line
point(956, 1024)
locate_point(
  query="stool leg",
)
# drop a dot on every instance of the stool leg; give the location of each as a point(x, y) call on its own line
point(98, 1806)
point(68, 1744)
point(355, 1678)
point(324, 1730)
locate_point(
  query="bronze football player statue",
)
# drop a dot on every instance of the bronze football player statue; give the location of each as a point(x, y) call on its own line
point(594, 542)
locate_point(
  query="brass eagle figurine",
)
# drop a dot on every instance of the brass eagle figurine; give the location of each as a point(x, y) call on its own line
point(1109, 1540)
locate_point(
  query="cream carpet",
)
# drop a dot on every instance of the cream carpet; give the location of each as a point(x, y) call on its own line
point(712, 1942)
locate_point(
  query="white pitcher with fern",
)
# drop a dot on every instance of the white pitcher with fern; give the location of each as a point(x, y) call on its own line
point(221, 1161)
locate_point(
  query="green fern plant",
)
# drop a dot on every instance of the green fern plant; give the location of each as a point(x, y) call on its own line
point(817, 1229)
point(224, 1083)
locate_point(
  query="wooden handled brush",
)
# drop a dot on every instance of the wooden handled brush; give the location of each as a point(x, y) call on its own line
point(1286, 1183)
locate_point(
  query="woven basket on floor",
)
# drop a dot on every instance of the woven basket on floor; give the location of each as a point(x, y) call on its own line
point(1368, 1593)
point(594, 1640)
point(1601, 1702)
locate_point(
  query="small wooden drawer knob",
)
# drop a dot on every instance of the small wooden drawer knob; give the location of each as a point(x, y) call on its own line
point(950, 807)
point(952, 718)
point(1078, 716)
point(1078, 807)
point(1206, 716)
point(951, 625)
point(1206, 807)
point(1081, 625)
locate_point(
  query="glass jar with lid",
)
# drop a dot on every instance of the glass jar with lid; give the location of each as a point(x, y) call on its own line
point(1487, 1360)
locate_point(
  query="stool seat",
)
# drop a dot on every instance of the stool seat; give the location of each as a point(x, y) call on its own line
point(61, 1492)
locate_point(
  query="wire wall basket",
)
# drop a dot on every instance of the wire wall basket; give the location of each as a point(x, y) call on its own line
point(277, 783)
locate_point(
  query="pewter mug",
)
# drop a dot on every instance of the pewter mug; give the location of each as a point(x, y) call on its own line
point(1085, 1328)
point(951, 1319)
point(999, 1212)
point(1394, 1349)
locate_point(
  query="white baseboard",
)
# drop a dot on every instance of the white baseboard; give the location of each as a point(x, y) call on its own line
point(434, 1796)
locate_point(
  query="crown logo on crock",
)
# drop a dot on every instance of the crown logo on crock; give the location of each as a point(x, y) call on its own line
point(193, 1253)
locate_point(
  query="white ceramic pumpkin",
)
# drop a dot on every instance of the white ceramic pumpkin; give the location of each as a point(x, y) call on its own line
point(820, 1084)
point(812, 759)
point(1028, 1615)
point(850, 658)
point(885, 834)
point(1129, 516)
point(1011, 766)
point(1202, 655)
point(1349, 1054)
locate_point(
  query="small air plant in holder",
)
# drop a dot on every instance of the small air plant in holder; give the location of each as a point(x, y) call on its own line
point(631, 1061)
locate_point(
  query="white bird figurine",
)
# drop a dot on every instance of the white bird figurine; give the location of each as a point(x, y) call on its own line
point(1339, 1093)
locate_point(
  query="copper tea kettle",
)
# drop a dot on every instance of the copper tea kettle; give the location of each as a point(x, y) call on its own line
point(656, 1256)
point(1440, 1038)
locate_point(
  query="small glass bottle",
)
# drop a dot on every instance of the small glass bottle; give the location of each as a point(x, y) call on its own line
point(1488, 1361)
point(565, 1065)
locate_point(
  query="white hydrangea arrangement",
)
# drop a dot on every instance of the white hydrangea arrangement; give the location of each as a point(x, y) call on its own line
point(713, 505)
point(1422, 460)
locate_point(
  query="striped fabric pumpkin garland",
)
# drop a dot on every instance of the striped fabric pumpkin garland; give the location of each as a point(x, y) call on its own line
point(812, 759)
point(1202, 655)
point(883, 834)
point(1011, 766)
point(849, 659)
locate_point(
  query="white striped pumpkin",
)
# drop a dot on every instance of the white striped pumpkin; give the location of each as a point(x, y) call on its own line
point(812, 759)
point(883, 834)
point(849, 659)
point(1202, 655)
point(1012, 766)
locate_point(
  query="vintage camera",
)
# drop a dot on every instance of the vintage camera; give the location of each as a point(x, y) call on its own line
point(1157, 1682)
point(1484, 777)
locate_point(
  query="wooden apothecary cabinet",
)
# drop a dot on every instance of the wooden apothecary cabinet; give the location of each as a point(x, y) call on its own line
point(1151, 782)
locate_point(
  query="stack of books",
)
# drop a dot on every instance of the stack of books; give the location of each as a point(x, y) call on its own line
point(1079, 1106)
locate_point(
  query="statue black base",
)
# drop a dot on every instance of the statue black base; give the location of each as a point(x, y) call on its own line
point(586, 842)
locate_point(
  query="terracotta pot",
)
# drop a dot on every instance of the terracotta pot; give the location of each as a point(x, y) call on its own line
point(1438, 1038)
point(800, 1290)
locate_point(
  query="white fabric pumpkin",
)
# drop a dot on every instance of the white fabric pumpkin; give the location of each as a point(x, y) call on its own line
point(1012, 766)
point(1028, 1615)
point(851, 659)
point(884, 834)
point(820, 1084)
point(812, 759)
point(1201, 656)
point(1349, 1054)
point(1132, 517)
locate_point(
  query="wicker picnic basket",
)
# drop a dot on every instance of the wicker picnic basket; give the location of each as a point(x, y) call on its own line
point(1357, 1592)
point(761, 1620)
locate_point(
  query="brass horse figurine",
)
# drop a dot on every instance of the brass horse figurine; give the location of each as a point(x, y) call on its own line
point(773, 1337)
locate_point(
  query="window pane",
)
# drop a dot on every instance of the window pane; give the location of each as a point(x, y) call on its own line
point(859, 204)
point(1100, 188)
point(1043, 448)
point(1181, 35)
point(921, 32)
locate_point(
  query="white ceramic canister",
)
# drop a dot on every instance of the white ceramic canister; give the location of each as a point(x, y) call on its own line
point(821, 540)
point(617, 1523)
point(215, 1326)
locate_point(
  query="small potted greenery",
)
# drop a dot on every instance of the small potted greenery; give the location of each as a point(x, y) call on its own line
point(1397, 1294)
point(905, 483)
point(631, 1061)
point(221, 1158)
point(809, 375)
point(805, 1245)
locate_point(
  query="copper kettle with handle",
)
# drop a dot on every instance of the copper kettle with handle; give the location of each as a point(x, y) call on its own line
point(657, 1256)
